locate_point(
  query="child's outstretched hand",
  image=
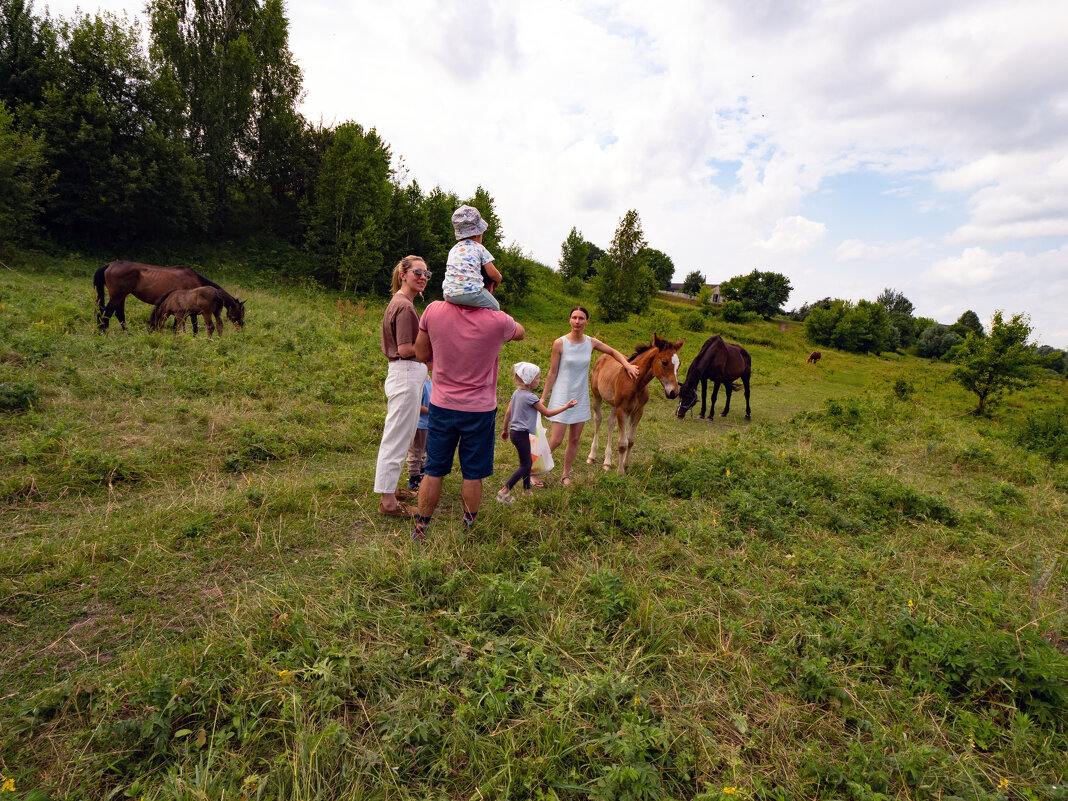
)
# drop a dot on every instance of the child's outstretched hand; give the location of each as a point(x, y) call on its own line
point(504, 435)
point(633, 371)
point(571, 403)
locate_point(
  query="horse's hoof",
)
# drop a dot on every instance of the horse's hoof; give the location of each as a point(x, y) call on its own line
point(747, 417)
point(589, 461)
point(700, 417)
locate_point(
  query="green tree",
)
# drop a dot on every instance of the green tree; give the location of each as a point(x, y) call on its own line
point(968, 323)
point(899, 309)
point(662, 266)
point(493, 239)
point(860, 328)
point(28, 55)
point(517, 268)
point(350, 205)
point(935, 341)
point(596, 254)
point(760, 292)
point(1000, 362)
point(25, 184)
point(229, 62)
point(113, 138)
point(624, 282)
point(692, 283)
point(574, 256)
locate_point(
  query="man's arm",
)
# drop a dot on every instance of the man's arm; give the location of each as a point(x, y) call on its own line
point(423, 351)
point(520, 333)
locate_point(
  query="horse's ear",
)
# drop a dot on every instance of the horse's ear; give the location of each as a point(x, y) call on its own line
point(659, 343)
point(678, 345)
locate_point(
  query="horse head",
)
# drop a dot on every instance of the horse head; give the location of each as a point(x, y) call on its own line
point(235, 311)
point(666, 364)
point(159, 314)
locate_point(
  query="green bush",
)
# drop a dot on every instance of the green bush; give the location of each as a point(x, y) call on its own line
point(1046, 432)
point(17, 396)
point(692, 320)
point(734, 312)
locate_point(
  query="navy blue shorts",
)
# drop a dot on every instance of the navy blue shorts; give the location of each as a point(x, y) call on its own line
point(472, 431)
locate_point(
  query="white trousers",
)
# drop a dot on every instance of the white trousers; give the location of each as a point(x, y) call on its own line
point(404, 391)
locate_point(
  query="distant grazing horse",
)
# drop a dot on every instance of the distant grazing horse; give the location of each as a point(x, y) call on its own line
point(628, 396)
point(145, 282)
point(721, 363)
point(815, 356)
point(206, 300)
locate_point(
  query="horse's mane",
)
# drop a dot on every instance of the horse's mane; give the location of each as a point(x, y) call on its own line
point(204, 280)
point(638, 351)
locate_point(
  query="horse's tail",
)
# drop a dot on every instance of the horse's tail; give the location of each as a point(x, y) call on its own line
point(98, 282)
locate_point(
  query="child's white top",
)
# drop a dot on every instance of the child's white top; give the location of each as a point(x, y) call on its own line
point(463, 270)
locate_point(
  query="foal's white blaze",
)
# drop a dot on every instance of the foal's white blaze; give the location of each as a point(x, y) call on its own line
point(675, 361)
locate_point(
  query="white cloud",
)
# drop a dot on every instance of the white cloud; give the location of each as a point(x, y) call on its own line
point(794, 233)
point(857, 250)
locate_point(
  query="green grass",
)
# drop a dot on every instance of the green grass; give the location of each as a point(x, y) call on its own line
point(860, 594)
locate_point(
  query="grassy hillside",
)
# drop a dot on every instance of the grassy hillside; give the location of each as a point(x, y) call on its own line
point(860, 594)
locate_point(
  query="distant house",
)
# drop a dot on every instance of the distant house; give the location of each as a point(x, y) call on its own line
point(676, 289)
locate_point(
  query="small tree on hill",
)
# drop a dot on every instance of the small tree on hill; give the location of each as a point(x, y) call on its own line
point(968, 323)
point(692, 284)
point(574, 256)
point(662, 266)
point(624, 282)
point(760, 292)
point(998, 363)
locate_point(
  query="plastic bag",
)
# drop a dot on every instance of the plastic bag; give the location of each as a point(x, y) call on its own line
point(541, 456)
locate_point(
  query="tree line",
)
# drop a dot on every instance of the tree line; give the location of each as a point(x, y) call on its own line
point(105, 146)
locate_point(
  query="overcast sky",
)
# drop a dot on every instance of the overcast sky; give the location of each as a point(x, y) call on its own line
point(850, 145)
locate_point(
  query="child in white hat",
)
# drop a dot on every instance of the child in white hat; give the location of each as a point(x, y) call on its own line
point(520, 420)
point(465, 283)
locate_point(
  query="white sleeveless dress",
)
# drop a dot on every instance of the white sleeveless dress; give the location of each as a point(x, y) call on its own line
point(573, 381)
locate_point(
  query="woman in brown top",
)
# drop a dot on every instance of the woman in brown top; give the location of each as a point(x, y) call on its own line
point(404, 383)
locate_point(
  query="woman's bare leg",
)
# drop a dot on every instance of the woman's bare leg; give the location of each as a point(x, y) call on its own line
point(574, 433)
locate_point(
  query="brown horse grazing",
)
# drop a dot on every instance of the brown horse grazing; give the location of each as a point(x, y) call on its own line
point(146, 282)
point(628, 396)
point(722, 363)
point(815, 356)
point(206, 300)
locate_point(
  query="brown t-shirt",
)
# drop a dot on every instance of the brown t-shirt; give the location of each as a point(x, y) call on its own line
point(400, 325)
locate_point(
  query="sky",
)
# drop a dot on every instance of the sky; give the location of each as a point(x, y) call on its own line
point(851, 145)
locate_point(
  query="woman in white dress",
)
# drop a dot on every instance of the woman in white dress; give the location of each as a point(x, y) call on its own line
point(569, 377)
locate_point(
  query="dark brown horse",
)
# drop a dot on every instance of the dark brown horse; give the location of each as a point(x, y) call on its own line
point(721, 363)
point(206, 300)
point(146, 282)
point(815, 356)
point(628, 396)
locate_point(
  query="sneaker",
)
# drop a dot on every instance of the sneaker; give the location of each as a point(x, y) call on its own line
point(415, 481)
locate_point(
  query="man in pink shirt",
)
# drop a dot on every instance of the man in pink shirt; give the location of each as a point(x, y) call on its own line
point(465, 343)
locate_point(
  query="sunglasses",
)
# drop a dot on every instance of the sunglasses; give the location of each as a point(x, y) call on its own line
point(422, 273)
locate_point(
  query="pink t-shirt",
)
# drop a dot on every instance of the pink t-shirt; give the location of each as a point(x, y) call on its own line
point(466, 343)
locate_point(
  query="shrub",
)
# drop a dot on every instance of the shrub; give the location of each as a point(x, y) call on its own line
point(17, 396)
point(1046, 432)
point(692, 320)
point(734, 312)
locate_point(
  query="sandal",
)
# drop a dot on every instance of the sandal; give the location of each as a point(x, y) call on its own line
point(505, 497)
point(402, 510)
point(565, 481)
point(537, 483)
